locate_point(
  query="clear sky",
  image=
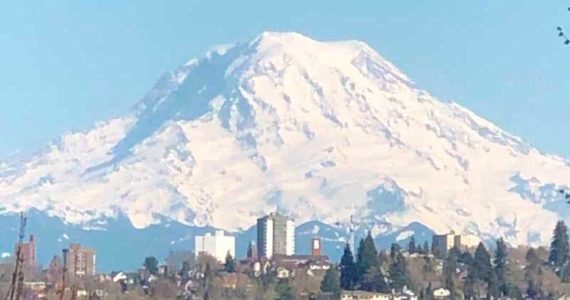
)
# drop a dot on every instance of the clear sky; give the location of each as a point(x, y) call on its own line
point(67, 64)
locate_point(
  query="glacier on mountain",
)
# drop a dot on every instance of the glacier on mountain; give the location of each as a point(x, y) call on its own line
point(320, 130)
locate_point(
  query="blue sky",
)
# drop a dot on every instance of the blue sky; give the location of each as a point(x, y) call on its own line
point(67, 64)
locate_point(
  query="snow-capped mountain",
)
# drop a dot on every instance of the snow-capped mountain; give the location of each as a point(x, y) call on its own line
point(321, 130)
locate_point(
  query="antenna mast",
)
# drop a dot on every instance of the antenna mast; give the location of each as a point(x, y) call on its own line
point(17, 283)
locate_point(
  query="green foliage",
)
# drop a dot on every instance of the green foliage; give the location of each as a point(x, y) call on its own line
point(151, 265)
point(284, 290)
point(428, 294)
point(532, 274)
point(479, 275)
point(331, 282)
point(184, 271)
point(425, 248)
point(481, 266)
point(501, 268)
point(347, 269)
point(559, 246)
point(374, 281)
point(367, 256)
point(492, 286)
point(208, 273)
point(450, 273)
point(412, 248)
point(399, 274)
point(230, 263)
point(394, 250)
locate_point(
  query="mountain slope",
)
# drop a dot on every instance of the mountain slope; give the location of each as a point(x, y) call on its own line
point(321, 130)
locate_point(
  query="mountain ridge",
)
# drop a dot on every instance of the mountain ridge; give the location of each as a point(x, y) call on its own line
point(320, 130)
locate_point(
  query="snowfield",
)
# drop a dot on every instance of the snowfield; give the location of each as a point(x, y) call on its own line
point(321, 130)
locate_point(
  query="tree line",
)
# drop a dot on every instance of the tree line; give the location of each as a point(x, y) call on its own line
point(539, 274)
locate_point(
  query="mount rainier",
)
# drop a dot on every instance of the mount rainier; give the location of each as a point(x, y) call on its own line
point(320, 130)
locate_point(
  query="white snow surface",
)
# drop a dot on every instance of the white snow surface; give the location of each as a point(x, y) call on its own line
point(321, 130)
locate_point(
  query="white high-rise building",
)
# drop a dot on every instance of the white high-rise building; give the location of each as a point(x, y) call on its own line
point(217, 245)
point(275, 236)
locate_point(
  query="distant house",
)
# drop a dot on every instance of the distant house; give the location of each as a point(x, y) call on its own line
point(283, 273)
point(37, 288)
point(119, 277)
point(362, 295)
point(404, 294)
point(299, 261)
point(441, 293)
point(230, 281)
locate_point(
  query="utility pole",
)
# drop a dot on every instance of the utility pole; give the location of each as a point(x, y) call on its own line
point(17, 282)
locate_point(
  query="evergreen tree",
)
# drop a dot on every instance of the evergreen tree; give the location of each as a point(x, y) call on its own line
point(284, 290)
point(347, 269)
point(208, 273)
point(208, 282)
point(367, 256)
point(230, 264)
point(479, 274)
point(374, 281)
point(501, 268)
point(435, 251)
point(469, 286)
point(464, 257)
point(559, 247)
point(184, 272)
point(151, 265)
point(482, 263)
point(428, 294)
point(425, 249)
point(450, 273)
point(331, 282)
point(383, 259)
point(399, 274)
point(492, 286)
point(394, 250)
point(412, 245)
point(532, 274)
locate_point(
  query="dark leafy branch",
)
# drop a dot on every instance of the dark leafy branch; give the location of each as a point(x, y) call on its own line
point(562, 34)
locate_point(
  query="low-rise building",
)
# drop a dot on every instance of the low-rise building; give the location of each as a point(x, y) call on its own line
point(404, 294)
point(362, 295)
point(441, 293)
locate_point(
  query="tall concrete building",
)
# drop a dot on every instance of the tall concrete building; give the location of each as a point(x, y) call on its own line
point(29, 252)
point(275, 236)
point(79, 262)
point(217, 245)
point(441, 243)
